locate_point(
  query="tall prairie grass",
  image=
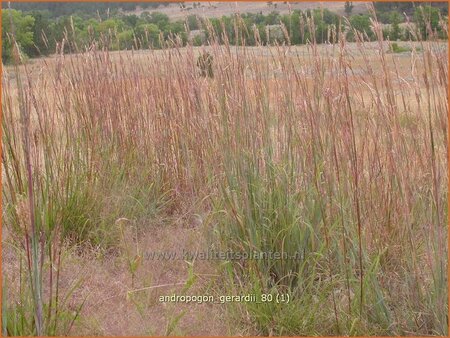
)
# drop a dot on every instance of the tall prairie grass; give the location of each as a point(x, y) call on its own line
point(334, 153)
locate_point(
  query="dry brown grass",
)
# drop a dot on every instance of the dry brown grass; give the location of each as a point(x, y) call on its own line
point(345, 145)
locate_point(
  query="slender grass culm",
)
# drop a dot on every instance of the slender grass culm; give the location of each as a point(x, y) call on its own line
point(322, 167)
point(31, 209)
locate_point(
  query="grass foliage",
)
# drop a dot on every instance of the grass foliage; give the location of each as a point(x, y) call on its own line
point(340, 164)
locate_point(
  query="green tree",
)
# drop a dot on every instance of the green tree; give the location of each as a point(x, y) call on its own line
point(130, 20)
point(111, 25)
point(427, 20)
point(361, 23)
point(42, 36)
point(125, 39)
point(18, 26)
point(348, 7)
point(109, 30)
point(395, 32)
point(272, 18)
point(160, 19)
point(192, 22)
point(148, 33)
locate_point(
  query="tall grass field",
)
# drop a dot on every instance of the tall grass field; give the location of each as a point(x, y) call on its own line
point(328, 160)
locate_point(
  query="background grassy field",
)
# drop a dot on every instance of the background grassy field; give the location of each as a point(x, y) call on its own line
point(337, 151)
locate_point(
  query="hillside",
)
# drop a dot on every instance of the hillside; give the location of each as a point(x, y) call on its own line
point(178, 10)
point(217, 9)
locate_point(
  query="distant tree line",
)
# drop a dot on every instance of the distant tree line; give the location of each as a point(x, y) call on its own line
point(83, 9)
point(385, 9)
point(40, 32)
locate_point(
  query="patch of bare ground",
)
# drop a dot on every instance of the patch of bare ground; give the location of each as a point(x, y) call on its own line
point(117, 304)
point(122, 305)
